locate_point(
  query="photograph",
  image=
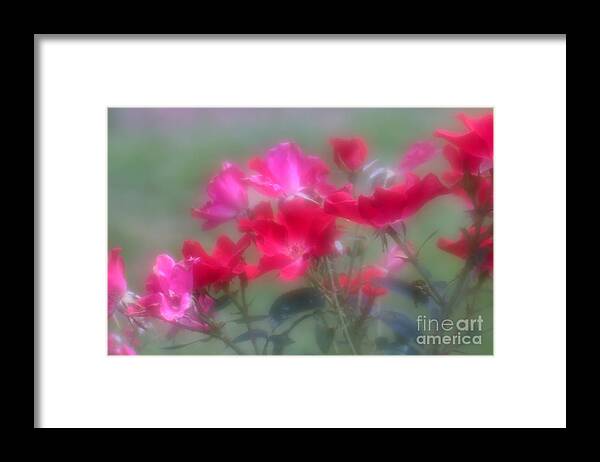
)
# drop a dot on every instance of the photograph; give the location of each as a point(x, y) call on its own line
point(300, 231)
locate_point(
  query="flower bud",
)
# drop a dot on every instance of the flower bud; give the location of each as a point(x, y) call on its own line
point(349, 154)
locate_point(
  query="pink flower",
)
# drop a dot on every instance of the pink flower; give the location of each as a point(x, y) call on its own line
point(286, 171)
point(349, 154)
point(395, 258)
point(117, 284)
point(417, 154)
point(169, 291)
point(478, 141)
point(194, 318)
point(118, 346)
point(227, 197)
point(169, 296)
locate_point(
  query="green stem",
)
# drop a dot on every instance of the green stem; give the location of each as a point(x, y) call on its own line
point(349, 275)
point(415, 262)
point(338, 308)
point(355, 249)
point(288, 330)
point(243, 309)
point(227, 341)
point(317, 285)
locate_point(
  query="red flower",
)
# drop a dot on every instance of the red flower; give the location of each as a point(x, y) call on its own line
point(225, 263)
point(476, 191)
point(462, 247)
point(261, 211)
point(474, 187)
point(461, 164)
point(484, 193)
point(470, 157)
point(349, 154)
point(386, 206)
point(343, 204)
point(367, 281)
point(301, 231)
point(478, 141)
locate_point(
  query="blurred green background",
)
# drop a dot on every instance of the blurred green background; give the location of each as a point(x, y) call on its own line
point(160, 160)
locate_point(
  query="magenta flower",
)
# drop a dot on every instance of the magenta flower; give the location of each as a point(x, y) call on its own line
point(169, 291)
point(417, 154)
point(193, 318)
point(227, 197)
point(169, 296)
point(395, 258)
point(118, 346)
point(286, 171)
point(117, 284)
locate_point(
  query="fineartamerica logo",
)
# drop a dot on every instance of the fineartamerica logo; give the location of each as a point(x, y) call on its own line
point(448, 331)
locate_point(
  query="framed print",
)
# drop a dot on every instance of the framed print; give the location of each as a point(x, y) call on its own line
point(289, 231)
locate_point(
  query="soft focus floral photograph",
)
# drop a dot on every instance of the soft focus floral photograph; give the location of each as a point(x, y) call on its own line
point(300, 231)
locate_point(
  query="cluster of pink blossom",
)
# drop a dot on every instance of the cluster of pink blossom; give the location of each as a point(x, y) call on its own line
point(299, 231)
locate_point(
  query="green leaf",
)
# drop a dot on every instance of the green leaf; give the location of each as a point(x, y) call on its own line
point(404, 327)
point(249, 335)
point(294, 302)
point(250, 319)
point(280, 341)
